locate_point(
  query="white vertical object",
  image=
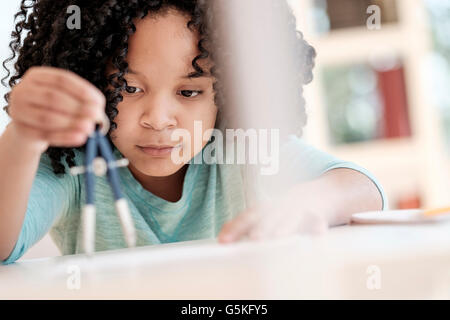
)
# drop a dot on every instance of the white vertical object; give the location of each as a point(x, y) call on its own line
point(261, 62)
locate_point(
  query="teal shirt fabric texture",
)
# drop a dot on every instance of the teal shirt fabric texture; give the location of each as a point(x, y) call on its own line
point(212, 194)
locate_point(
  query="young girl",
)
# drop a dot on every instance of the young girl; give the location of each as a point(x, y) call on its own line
point(147, 58)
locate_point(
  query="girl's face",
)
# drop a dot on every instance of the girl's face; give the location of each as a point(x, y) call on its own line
point(160, 96)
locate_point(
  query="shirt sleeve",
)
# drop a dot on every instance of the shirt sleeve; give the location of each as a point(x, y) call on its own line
point(304, 162)
point(49, 199)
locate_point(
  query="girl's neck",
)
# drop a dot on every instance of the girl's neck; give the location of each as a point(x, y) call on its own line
point(169, 188)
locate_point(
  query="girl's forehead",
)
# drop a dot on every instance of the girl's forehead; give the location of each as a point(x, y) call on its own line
point(164, 42)
point(164, 27)
point(164, 35)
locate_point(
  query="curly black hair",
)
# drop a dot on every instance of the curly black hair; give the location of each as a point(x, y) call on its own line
point(107, 27)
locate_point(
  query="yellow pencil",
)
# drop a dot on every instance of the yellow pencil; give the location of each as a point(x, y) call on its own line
point(433, 212)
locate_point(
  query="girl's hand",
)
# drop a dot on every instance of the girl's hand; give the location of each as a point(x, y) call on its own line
point(54, 107)
point(301, 210)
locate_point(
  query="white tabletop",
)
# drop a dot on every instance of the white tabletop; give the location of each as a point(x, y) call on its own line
point(355, 261)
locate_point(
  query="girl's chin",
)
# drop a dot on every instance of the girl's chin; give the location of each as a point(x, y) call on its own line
point(158, 170)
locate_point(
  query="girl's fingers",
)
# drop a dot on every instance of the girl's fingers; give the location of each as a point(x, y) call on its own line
point(285, 228)
point(271, 223)
point(313, 224)
point(58, 101)
point(67, 139)
point(238, 227)
point(298, 222)
point(271, 218)
point(52, 121)
point(64, 138)
point(69, 82)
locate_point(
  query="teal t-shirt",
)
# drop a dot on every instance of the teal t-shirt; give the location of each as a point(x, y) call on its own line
point(212, 194)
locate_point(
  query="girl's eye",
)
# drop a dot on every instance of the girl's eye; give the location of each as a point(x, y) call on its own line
point(190, 93)
point(130, 89)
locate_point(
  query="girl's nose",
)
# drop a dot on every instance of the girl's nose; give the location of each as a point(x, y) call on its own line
point(158, 115)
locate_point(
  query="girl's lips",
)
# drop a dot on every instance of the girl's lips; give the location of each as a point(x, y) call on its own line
point(158, 150)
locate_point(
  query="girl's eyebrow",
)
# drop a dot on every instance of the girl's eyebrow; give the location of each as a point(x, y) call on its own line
point(189, 76)
point(131, 71)
point(195, 75)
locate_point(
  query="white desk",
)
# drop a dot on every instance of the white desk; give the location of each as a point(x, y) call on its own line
point(407, 262)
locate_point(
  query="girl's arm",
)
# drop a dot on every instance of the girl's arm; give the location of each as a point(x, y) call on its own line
point(309, 207)
point(19, 161)
point(340, 193)
point(48, 107)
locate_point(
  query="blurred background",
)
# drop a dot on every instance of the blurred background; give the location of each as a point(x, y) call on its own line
point(380, 95)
